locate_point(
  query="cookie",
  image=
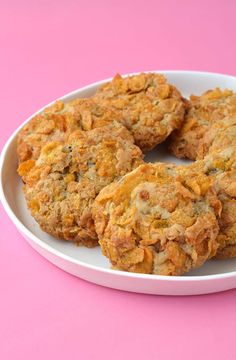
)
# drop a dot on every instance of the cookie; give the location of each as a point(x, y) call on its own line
point(220, 166)
point(221, 136)
point(58, 121)
point(150, 107)
point(61, 185)
point(158, 219)
point(204, 111)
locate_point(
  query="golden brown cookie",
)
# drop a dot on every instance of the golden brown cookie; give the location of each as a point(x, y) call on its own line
point(221, 167)
point(58, 121)
point(204, 111)
point(158, 219)
point(150, 107)
point(61, 185)
point(222, 135)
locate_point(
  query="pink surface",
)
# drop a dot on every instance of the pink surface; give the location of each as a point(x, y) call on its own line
point(49, 48)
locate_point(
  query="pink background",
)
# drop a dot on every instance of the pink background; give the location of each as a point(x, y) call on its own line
point(49, 48)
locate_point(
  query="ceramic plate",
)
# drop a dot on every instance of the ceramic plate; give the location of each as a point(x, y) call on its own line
point(89, 264)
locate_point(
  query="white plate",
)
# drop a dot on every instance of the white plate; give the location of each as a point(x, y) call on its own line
point(89, 264)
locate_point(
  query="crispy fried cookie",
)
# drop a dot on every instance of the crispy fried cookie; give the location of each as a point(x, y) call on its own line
point(150, 107)
point(158, 219)
point(61, 185)
point(204, 111)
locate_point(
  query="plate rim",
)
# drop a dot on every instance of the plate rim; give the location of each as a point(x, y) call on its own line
point(27, 233)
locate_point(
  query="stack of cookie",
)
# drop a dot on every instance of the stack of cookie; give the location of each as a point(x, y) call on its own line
point(85, 179)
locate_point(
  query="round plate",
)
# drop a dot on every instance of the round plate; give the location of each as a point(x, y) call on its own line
point(89, 264)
